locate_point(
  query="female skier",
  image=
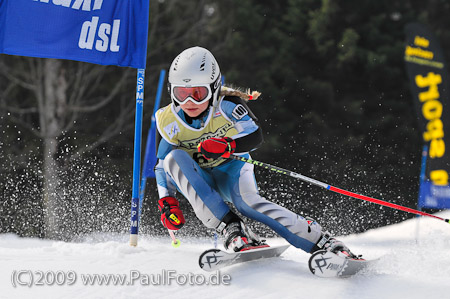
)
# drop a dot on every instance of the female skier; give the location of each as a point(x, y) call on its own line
point(203, 125)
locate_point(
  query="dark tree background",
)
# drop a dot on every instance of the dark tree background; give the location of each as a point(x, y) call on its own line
point(335, 106)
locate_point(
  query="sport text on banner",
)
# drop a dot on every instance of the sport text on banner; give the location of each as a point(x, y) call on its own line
point(429, 87)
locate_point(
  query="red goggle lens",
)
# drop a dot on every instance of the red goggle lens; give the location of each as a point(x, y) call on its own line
point(198, 93)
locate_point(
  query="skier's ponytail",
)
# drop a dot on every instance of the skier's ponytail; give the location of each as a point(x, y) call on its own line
point(247, 96)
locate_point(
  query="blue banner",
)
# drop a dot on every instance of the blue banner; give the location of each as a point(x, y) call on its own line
point(434, 196)
point(97, 31)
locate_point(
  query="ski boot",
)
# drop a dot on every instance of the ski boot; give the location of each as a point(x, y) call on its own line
point(238, 237)
point(329, 243)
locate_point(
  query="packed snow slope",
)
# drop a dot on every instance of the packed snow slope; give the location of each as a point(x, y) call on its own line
point(407, 268)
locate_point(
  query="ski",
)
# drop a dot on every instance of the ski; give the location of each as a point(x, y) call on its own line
point(215, 259)
point(324, 263)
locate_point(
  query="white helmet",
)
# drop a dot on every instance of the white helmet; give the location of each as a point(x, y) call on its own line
point(194, 75)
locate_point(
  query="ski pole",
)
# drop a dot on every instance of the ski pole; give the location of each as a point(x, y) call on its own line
point(334, 189)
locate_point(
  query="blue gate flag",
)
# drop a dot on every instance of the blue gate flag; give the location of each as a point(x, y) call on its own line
point(96, 31)
point(430, 195)
point(150, 151)
point(434, 196)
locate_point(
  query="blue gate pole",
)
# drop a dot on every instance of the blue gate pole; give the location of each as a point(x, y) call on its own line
point(134, 230)
point(151, 151)
point(422, 175)
point(422, 181)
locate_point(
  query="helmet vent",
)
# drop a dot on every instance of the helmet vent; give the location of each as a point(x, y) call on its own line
point(202, 66)
point(175, 63)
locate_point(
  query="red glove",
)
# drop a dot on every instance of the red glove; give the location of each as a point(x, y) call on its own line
point(214, 148)
point(171, 215)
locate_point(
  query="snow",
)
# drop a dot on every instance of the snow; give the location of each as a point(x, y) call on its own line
point(407, 268)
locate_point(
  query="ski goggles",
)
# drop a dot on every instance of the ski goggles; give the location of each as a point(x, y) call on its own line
point(197, 94)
